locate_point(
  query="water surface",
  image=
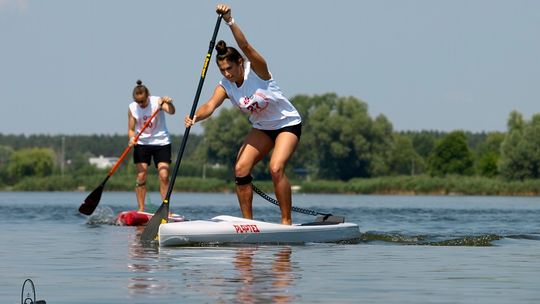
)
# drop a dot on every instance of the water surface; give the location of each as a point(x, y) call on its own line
point(413, 249)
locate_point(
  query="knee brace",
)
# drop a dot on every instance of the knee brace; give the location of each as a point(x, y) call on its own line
point(139, 184)
point(243, 180)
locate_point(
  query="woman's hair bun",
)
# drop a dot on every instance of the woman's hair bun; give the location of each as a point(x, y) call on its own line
point(139, 82)
point(221, 47)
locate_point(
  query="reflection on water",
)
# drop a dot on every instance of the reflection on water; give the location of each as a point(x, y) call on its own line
point(283, 276)
point(262, 284)
point(139, 257)
point(247, 274)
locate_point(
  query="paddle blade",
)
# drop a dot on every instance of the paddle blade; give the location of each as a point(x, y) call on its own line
point(161, 216)
point(91, 201)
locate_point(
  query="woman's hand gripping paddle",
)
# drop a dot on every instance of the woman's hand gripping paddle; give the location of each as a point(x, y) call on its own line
point(162, 214)
point(92, 200)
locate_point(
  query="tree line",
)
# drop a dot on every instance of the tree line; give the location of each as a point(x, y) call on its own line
point(340, 141)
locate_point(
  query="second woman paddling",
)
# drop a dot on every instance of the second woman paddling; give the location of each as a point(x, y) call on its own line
point(154, 142)
point(276, 124)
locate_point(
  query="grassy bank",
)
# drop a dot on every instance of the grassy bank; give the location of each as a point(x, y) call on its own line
point(408, 185)
point(424, 185)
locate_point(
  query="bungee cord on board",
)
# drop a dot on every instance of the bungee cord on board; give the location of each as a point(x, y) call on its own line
point(326, 217)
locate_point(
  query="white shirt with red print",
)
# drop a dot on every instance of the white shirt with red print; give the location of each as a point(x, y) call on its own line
point(263, 100)
point(156, 133)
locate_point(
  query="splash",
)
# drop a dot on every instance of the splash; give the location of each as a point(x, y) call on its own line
point(102, 216)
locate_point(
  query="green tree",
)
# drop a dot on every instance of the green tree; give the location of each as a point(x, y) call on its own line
point(79, 165)
point(488, 154)
point(334, 136)
point(451, 156)
point(487, 164)
point(381, 142)
point(37, 162)
point(424, 141)
point(5, 155)
point(515, 122)
point(520, 157)
point(404, 160)
point(339, 138)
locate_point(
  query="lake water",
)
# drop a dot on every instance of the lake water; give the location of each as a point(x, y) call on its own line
point(413, 249)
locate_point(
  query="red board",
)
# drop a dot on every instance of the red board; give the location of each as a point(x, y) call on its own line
point(137, 218)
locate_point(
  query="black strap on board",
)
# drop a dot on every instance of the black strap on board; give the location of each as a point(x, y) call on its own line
point(326, 217)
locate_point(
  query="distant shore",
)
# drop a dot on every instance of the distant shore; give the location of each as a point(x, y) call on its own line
point(395, 185)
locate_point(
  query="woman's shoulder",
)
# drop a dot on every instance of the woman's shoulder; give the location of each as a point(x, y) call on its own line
point(252, 74)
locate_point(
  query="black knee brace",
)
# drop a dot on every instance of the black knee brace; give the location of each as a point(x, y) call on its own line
point(243, 180)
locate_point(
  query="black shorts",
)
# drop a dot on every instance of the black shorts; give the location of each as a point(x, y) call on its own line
point(145, 153)
point(296, 130)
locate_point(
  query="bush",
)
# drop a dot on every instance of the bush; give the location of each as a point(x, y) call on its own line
point(50, 183)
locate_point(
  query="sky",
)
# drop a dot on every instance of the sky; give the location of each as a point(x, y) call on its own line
point(69, 67)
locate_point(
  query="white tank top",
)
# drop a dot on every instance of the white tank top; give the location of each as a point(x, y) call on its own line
point(263, 100)
point(156, 133)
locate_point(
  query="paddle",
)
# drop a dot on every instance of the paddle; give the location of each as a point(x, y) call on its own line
point(92, 200)
point(162, 214)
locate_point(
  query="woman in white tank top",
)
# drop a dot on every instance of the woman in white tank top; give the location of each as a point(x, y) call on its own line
point(154, 143)
point(276, 123)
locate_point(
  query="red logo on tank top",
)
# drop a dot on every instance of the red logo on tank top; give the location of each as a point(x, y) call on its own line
point(145, 118)
point(257, 103)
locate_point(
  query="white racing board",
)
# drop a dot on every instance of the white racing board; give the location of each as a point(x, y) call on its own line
point(226, 229)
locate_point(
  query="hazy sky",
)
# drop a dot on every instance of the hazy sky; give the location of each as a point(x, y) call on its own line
point(68, 67)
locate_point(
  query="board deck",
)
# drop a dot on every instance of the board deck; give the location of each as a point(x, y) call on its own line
point(229, 229)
